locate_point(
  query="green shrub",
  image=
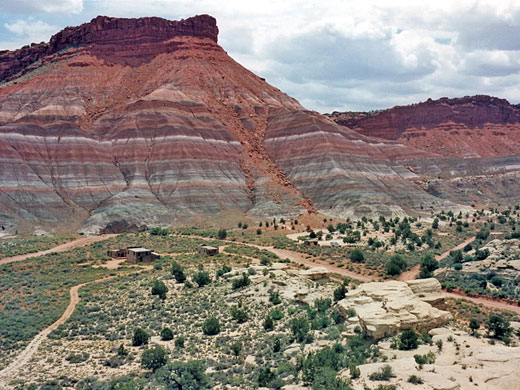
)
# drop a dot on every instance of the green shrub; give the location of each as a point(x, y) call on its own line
point(429, 358)
point(154, 358)
point(385, 373)
point(223, 270)
point(300, 329)
point(265, 377)
point(178, 272)
point(140, 337)
point(159, 288)
point(498, 326)
point(408, 340)
point(396, 265)
point(276, 314)
point(183, 375)
point(201, 278)
point(268, 323)
point(166, 334)
point(236, 348)
point(356, 256)
point(274, 298)
point(428, 265)
point(416, 380)
point(241, 282)
point(179, 342)
point(211, 326)
point(77, 357)
point(474, 325)
point(340, 292)
point(222, 234)
point(322, 304)
point(239, 315)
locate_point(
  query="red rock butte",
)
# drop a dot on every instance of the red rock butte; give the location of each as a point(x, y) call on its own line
point(120, 124)
point(113, 39)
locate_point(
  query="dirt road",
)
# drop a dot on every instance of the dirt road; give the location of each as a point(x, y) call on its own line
point(299, 259)
point(485, 301)
point(60, 248)
point(455, 248)
point(412, 273)
point(23, 358)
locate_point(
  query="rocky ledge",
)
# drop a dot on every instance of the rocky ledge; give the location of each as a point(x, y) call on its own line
point(383, 309)
point(104, 31)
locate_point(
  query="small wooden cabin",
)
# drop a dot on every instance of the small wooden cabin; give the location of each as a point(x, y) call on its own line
point(134, 254)
point(141, 255)
point(117, 253)
point(207, 250)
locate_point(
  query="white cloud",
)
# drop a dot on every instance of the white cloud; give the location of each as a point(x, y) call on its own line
point(31, 30)
point(39, 6)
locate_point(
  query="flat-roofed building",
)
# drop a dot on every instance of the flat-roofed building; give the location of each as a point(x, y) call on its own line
point(208, 250)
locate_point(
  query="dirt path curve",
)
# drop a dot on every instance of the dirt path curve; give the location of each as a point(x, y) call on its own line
point(24, 356)
point(297, 258)
point(60, 248)
point(455, 248)
point(412, 273)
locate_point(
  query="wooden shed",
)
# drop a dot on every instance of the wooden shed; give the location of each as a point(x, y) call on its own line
point(117, 253)
point(208, 250)
point(141, 255)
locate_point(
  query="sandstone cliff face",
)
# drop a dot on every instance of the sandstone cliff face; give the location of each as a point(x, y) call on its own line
point(476, 126)
point(112, 38)
point(473, 142)
point(140, 122)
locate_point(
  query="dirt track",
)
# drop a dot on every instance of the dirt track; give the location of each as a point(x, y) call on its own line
point(60, 248)
point(409, 275)
point(297, 258)
point(485, 301)
point(412, 273)
point(26, 355)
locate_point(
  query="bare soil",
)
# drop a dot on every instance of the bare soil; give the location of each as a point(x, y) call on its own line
point(60, 248)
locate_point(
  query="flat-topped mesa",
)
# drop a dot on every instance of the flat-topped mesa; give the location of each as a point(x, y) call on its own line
point(471, 111)
point(113, 39)
point(104, 30)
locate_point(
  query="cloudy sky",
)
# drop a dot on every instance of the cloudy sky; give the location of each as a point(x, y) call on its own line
point(330, 54)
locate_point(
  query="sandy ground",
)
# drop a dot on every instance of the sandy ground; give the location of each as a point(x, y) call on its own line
point(24, 356)
point(60, 248)
point(22, 359)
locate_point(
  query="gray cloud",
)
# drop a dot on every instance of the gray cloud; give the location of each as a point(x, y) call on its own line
point(329, 55)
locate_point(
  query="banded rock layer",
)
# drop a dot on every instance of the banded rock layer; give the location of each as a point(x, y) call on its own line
point(126, 123)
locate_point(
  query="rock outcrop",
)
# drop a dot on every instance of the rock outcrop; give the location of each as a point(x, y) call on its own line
point(316, 273)
point(384, 309)
point(428, 290)
point(503, 259)
point(113, 39)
